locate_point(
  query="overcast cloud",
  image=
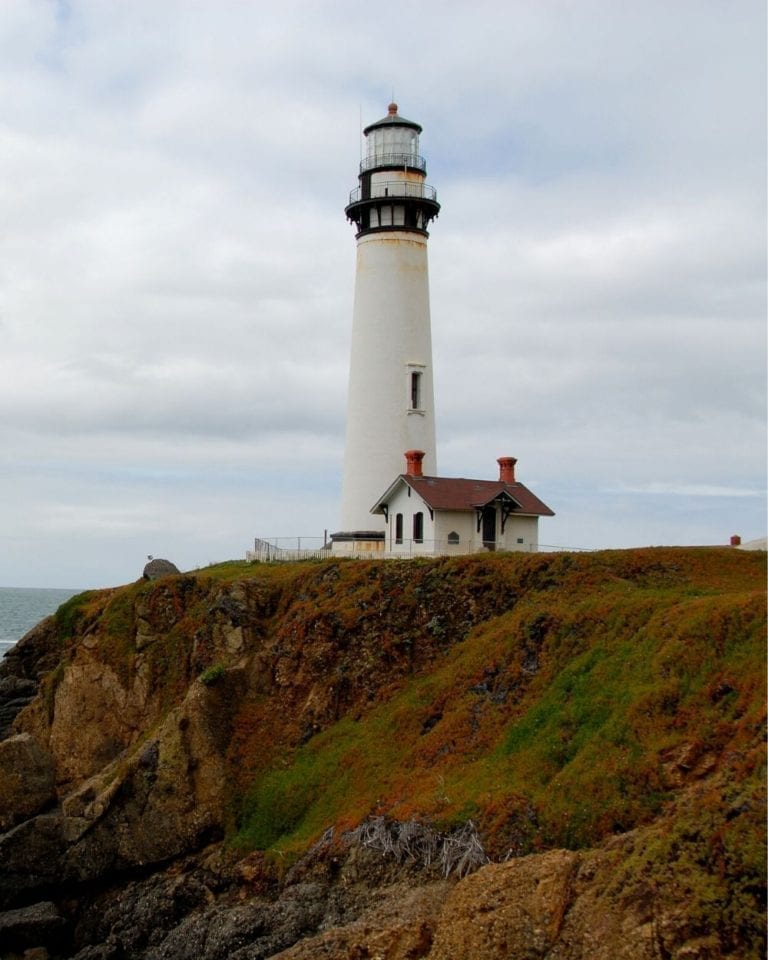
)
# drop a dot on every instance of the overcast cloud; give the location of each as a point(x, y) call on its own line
point(176, 273)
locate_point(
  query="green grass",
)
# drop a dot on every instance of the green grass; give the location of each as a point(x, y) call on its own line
point(230, 570)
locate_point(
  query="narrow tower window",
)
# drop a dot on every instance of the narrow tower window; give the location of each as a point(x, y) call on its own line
point(416, 391)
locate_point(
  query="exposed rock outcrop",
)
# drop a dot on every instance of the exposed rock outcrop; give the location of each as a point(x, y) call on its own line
point(15, 694)
point(26, 779)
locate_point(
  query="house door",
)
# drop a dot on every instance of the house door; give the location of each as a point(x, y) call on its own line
point(489, 528)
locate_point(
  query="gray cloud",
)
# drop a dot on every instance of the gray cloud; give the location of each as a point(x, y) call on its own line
point(176, 274)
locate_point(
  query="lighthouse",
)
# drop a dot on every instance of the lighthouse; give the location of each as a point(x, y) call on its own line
point(390, 401)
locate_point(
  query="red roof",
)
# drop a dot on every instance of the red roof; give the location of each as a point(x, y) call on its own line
point(447, 493)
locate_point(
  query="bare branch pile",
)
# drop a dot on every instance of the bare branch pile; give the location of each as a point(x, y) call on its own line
point(458, 853)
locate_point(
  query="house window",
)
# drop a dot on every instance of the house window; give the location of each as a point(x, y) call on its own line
point(418, 527)
point(453, 538)
point(415, 390)
point(398, 528)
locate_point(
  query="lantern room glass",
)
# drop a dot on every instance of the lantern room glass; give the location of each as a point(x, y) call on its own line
point(392, 141)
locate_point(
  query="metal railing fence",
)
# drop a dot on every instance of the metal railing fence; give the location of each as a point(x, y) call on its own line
point(281, 549)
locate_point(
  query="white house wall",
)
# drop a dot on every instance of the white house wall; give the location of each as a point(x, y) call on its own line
point(437, 529)
point(456, 522)
point(525, 529)
point(517, 528)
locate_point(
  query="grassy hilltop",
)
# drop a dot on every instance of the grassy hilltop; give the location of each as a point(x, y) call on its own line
point(613, 700)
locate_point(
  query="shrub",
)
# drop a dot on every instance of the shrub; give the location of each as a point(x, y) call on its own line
point(212, 674)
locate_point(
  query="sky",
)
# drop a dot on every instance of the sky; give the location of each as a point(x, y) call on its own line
point(176, 271)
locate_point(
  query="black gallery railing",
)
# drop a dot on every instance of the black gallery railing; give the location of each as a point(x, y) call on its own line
point(395, 189)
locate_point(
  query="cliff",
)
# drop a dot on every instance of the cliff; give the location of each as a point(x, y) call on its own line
point(544, 756)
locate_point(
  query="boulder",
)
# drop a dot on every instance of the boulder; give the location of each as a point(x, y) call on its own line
point(40, 925)
point(31, 859)
point(157, 568)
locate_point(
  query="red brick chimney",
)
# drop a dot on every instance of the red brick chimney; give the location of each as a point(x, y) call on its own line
point(413, 460)
point(507, 469)
point(735, 540)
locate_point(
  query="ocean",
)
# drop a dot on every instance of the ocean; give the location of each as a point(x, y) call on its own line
point(23, 607)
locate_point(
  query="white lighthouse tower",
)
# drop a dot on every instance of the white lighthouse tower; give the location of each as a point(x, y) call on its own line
point(391, 397)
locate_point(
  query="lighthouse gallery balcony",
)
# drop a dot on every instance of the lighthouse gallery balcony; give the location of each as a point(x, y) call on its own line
point(396, 189)
point(384, 204)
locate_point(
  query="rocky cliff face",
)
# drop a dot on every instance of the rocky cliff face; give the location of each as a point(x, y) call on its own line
point(283, 760)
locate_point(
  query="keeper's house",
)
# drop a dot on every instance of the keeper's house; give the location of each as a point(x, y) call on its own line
point(432, 516)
